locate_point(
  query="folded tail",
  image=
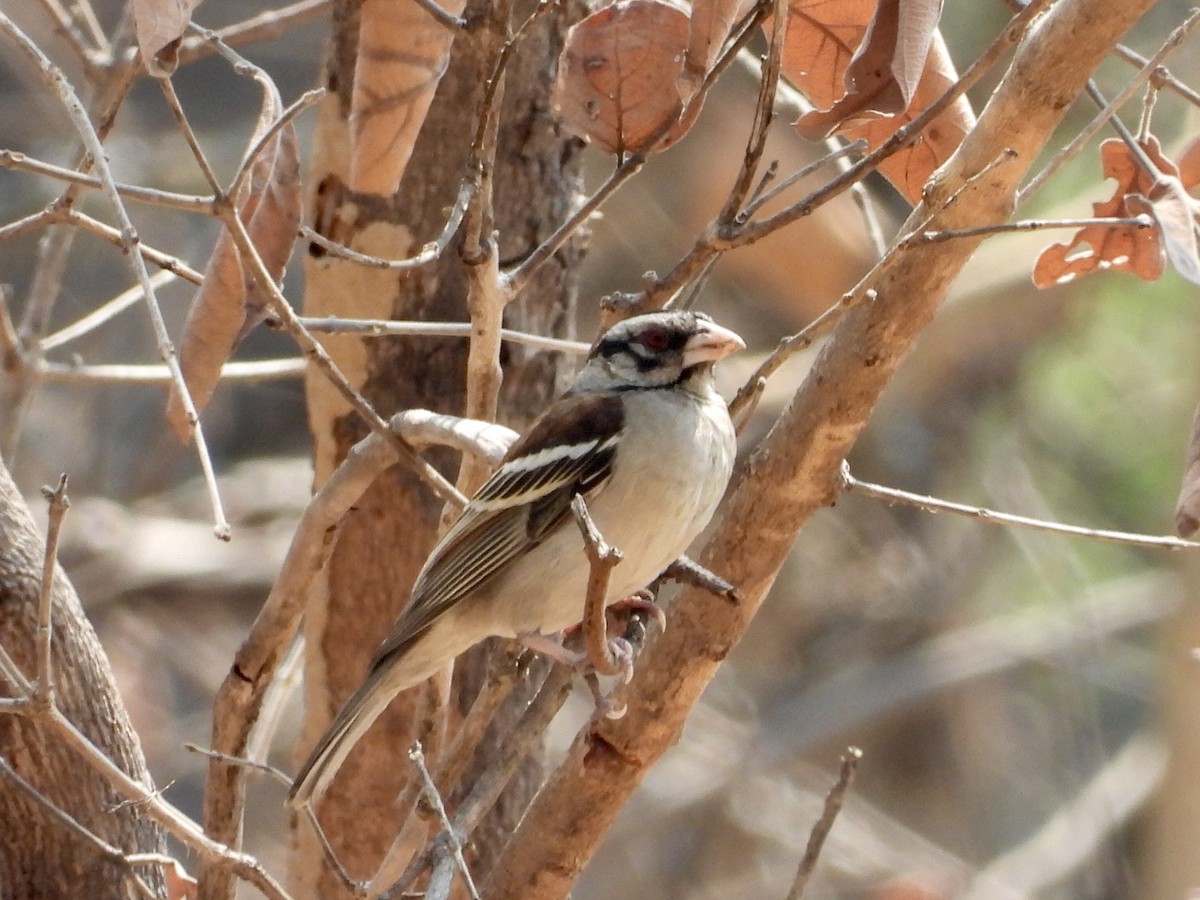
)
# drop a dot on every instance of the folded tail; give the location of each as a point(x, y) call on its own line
point(359, 713)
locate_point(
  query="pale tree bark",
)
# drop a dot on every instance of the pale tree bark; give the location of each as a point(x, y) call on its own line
point(39, 855)
point(384, 541)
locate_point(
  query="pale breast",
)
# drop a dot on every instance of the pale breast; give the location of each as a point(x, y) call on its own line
point(651, 513)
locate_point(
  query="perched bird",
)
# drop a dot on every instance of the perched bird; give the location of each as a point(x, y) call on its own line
point(647, 441)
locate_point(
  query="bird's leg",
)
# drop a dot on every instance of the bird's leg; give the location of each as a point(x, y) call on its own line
point(688, 571)
point(551, 645)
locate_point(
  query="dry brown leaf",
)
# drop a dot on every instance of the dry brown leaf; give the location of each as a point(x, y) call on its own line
point(1187, 507)
point(230, 303)
point(817, 58)
point(1173, 212)
point(180, 885)
point(1189, 165)
point(1099, 247)
point(159, 27)
point(402, 54)
point(616, 84)
point(708, 28)
point(884, 73)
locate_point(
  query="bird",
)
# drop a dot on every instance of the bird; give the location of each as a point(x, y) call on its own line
point(647, 441)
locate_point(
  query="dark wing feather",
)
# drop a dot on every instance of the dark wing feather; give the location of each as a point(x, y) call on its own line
point(569, 450)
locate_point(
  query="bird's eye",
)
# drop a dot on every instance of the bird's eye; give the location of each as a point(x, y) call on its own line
point(655, 340)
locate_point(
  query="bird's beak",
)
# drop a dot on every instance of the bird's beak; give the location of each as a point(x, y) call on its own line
point(710, 343)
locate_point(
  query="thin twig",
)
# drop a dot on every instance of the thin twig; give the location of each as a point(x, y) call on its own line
point(132, 373)
point(520, 742)
point(107, 311)
point(935, 505)
point(820, 830)
point(56, 498)
point(518, 276)
point(150, 254)
point(264, 26)
point(286, 117)
point(392, 327)
point(106, 850)
point(435, 799)
point(428, 253)
point(179, 825)
point(278, 774)
point(934, 237)
point(1168, 80)
point(32, 222)
point(602, 559)
point(1173, 41)
point(189, 135)
point(318, 355)
point(11, 159)
point(79, 118)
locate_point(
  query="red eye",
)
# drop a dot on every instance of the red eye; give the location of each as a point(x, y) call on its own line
point(655, 339)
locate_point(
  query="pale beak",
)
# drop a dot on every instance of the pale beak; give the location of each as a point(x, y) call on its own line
point(710, 343)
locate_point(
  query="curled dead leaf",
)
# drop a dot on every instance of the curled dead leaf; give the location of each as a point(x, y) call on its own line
point(617, 76)
point(159, 26)
point(402, 54)
point(882, 76)
point(871, 69)
point(708, 27)
point(1189, 165)
point(1173, 212)
point(179, 884)
point(1125, 248)
point(230, 302)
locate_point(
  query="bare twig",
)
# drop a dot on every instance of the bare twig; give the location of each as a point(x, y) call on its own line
point(106, 850)
point(31, 222)
point(933, 237)
point(79, 118)
point(602, 558)
point(429, 253)
point(245, 762)
point(934, 505)
point(1067, 153)
point(820, 830)
point(391, 328)
point(448, 830)
point(318, 355)
point(56, 498)
point(520, 742)
point(176, 823)
point(105, 312)
point(11, 159)
point(264, 26)
point(253, 370)
point(189, 135)
point(159, 258)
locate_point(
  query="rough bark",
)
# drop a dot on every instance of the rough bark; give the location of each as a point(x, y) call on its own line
point(794, 472)
point(40, 857)
point(385, 540)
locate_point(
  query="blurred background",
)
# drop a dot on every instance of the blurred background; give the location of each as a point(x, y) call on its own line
point(1027, 704)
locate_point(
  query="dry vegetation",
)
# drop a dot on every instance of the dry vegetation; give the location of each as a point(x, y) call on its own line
point(217, 222)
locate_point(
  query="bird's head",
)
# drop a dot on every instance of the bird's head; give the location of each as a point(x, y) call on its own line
point(657, 350)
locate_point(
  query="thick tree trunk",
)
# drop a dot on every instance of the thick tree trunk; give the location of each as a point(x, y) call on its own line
point(39, 856)
point(385, 540)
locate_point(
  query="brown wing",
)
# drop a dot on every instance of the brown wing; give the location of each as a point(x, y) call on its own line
point(569, 450)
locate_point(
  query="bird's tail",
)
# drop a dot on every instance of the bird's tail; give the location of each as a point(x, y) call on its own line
point(359, 713)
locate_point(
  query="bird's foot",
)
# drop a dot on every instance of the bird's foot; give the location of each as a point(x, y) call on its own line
point(620, 651)
point(640, 602)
